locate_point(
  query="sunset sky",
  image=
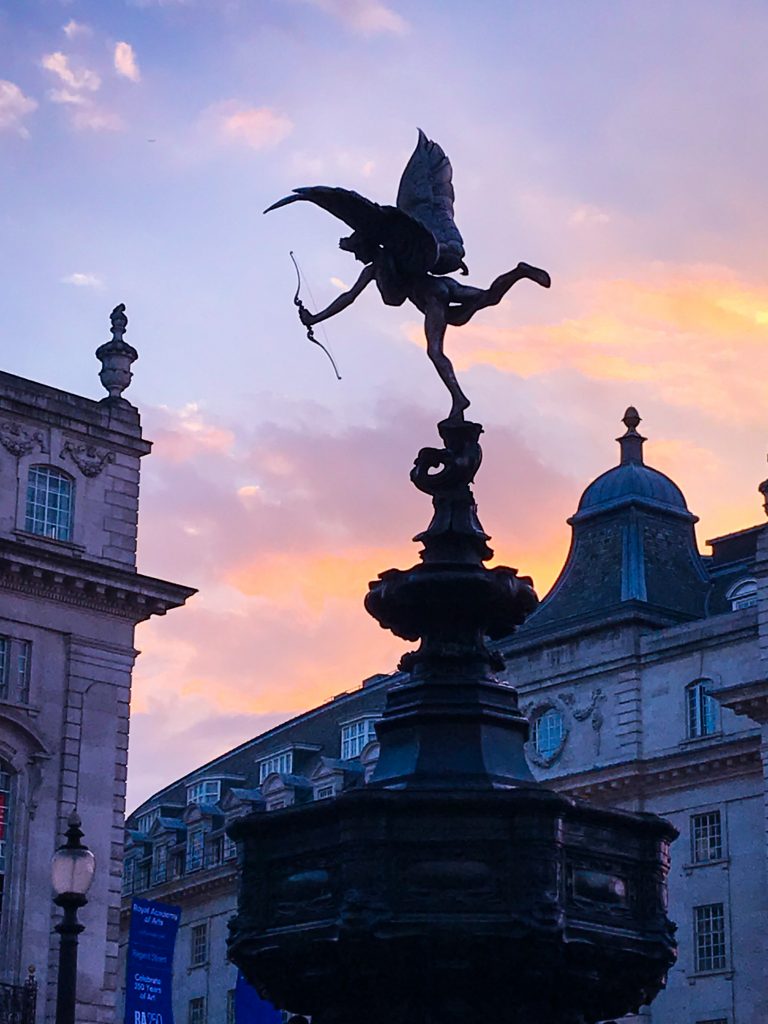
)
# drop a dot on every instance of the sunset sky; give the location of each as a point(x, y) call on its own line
point(620, 145)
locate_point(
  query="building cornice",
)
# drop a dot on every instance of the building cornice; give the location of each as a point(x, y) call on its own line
point(117, 424)
point(63, 577)
point(640, 779)
point(748, 698)
point(199, 883)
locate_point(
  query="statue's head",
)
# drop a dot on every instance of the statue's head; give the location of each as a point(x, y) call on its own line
point(361, 247)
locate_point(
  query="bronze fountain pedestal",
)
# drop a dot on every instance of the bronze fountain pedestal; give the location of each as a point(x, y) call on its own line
point(453, 887)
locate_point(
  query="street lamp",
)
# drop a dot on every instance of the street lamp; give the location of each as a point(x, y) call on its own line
point(72, 868)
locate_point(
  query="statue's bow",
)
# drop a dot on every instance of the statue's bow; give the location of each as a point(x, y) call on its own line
point(302, 308)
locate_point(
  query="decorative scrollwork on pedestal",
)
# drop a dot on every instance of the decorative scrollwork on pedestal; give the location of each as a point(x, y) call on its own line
point(89, 459)
point(18, 440)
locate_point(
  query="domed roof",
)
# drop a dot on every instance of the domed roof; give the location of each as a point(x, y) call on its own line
point(632, 480)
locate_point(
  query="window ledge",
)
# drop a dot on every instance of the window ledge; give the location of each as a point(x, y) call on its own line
point(203, 963)
point(720, 862)
point(693, 741)
point(30, 709)
point(724, 972)
point(24, 536)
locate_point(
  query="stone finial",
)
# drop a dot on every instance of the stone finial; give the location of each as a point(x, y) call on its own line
point(116, 357)
point(631, 443)
point(763, 488)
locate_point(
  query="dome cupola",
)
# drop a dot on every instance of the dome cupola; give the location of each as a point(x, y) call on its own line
point(633, 548)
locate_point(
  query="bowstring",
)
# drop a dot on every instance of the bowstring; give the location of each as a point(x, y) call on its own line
point(326, 343)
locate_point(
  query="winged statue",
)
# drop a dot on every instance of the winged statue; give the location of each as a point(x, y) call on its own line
point(408, 250)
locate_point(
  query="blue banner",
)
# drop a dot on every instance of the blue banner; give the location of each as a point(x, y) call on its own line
point(250, 1008)
point(149, 967)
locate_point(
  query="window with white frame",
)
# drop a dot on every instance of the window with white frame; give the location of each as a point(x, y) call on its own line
point(709, 937)
point(355, 736)
point(282, 763)
point(230, 848)
point(15, 665)
point(325, 792)
point(195, 848)
point(197, 1010)
point(145, 821)
point(743, 594)
point(547, 732)
point(198, 948)
point(702, 710)
point(204, 791)
point(50, 494)
point(706, 837)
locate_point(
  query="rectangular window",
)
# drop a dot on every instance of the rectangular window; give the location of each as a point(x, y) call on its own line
point(15, 661)
point(231, 1006)
point(129, 869)
point(5, 799)
point(145, 821)
point(215, 852)
point(22, 670)
point(160, 863)
point(324, 792)
point(706, 837)
point(177, 864)
point(198, 953)
point(195, 845)
point(702, 711)
point(281, 763)
point(197, 1010)
point(49, 503)
point(205, 791)
point(355, 736)
point(709, 937)
point(230, 848)
point(142, 875)
point(5, 658)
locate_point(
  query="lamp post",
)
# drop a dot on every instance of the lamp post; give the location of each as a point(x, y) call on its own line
point(72, 868)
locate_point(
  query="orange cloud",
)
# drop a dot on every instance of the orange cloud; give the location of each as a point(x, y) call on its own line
point(690, 332)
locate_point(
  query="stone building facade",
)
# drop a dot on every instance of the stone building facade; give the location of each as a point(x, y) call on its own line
point(70, 597)
point(643, 674)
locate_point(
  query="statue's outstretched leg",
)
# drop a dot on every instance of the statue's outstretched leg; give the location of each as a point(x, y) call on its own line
point(468, 305)
point(434, 328)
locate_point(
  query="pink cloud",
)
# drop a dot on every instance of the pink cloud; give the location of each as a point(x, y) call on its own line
point(255, 127)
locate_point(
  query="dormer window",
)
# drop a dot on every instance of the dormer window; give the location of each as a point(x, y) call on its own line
point(204, 791)
point(145, 821)
point(50, 494)
point(357, 735)
point(743, 594)
point(280, 764)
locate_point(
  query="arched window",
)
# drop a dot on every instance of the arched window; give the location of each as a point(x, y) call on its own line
point(547, 732)
point(5, 824)
point(50, 496)
point(702, 710)
point(743, 594)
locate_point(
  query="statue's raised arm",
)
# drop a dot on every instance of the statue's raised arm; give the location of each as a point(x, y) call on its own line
point(408, 248)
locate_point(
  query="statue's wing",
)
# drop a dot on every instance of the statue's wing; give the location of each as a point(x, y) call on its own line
point(426, 194)
point(411, 242)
